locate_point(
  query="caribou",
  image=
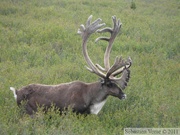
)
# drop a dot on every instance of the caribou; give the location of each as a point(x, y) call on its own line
point(81, 97)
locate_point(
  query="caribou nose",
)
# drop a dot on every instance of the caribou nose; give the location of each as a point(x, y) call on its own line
point(124, 96)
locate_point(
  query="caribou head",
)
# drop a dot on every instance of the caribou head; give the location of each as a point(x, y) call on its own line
point(84, 98)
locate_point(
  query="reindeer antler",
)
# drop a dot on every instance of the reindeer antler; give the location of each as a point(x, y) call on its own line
point(120, 65)
point(85, 33)
point(119, 62)
point(113, 31)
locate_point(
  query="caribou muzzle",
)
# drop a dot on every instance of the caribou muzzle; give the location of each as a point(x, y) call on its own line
point(123, 96)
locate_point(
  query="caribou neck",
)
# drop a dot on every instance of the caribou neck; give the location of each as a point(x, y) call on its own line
point(97, 96)
point(97, 93)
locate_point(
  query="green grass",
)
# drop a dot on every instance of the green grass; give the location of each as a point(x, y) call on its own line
point(39, 44)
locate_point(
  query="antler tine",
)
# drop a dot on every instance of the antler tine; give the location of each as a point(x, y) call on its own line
point(85, 32)
point(123, 80)
point(90, 28)
point(127, 65)
point(118, 64)
point(89, 21)
point(113, 31)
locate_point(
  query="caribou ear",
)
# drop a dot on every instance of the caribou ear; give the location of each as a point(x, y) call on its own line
point(106, 82)
point(102, 80)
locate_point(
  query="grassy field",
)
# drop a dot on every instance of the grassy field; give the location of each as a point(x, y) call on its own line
point(39, 44)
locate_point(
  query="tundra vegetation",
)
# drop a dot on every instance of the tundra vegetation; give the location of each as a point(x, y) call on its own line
point(39, 44)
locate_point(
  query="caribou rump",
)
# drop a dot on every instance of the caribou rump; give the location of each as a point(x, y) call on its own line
point(83, 98)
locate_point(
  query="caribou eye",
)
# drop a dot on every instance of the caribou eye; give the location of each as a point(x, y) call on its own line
point(110, 84)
